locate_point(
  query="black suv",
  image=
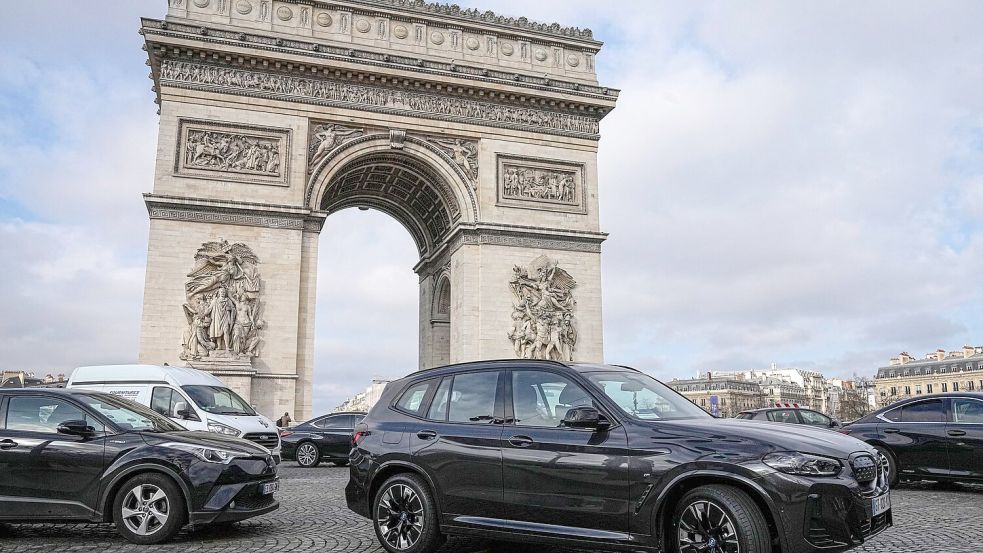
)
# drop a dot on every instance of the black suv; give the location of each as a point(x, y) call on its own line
point(604, 457)
point(75, 455)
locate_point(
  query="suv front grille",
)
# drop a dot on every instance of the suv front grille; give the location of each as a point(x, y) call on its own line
point(865, 468)
point(269, 440)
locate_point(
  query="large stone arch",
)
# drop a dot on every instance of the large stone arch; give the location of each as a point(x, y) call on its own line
point(477, 132)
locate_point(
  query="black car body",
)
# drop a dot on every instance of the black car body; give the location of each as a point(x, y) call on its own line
point(789, 415)
point(482, 449)
point(77, 455)
point(326, 438)
point(929, 437)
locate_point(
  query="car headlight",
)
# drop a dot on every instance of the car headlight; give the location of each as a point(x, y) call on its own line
point(802, 464)
point(220, 428)
point(208, 454)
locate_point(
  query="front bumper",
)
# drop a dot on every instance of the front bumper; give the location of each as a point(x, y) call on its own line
point(226, 493)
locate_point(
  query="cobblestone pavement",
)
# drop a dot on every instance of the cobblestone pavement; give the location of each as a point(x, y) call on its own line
point(313, 517)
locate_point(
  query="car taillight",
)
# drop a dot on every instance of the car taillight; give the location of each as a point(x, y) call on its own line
point(285, 433)
point(357, 437)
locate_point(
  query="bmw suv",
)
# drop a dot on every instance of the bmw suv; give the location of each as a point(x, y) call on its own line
point(603, 457)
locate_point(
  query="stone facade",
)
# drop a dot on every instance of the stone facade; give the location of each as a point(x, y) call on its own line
point(939, 372)
point(478, 132)
point(733, 395)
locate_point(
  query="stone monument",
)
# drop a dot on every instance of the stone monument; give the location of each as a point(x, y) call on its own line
point(477, 132)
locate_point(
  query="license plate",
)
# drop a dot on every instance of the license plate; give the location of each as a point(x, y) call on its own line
point(881, 504)
point(269, 487)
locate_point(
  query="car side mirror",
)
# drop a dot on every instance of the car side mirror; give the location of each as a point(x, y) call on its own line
point(834, 424)
point(77, 428)
point(181, 411)
point(585, 417)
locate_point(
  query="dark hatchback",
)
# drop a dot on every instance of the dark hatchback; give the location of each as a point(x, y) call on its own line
point(931, 437)
point(601, 457)
point(76, 455)
point(327, 438)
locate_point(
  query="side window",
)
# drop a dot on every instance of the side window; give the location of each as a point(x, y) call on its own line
point(541, 398)
point(42, 414)
point(473, 397)
point(333, 422)
point(925, 411)
point(783, 415)
point(438, 408)
point(894, 415)
point(967, 411)
point(815, 419)
point(160, 401)
point(411, 401)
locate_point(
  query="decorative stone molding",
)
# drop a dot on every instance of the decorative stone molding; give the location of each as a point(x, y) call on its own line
point(534, 183)
point(183, 74)
point(231, 213)
point(397, 138)
point(543, 325)
point(223, 307)
point(222, 151)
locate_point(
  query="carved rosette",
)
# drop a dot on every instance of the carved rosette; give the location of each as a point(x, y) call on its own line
point(543, 324)
point(223, 309)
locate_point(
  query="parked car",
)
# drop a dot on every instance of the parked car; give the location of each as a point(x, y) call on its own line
point(194, 399)
point(929, 437)
point(789, 414)
point(83, 456)
point(326, 438)
point(601, 457)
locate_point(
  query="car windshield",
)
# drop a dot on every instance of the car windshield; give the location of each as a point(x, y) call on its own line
point(644, 397)
point(218, 400)
point(129, 415)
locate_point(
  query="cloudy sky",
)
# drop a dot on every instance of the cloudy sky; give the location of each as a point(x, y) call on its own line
point(784, 182)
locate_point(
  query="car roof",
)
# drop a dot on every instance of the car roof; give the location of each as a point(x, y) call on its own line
point(339, 413)
point(923, 397)
point(498, 364)
point(129, 374)
point(783, 408)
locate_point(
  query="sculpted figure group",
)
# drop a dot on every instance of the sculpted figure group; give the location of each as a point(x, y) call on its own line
point(223, 307)
point(529, 183)
point(543, 325)
point(236, 152)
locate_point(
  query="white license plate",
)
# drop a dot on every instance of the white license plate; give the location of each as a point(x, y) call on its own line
point(269, 487)
point(881, 504)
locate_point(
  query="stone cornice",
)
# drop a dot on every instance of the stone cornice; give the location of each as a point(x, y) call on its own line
point(321, 52)
point(175, 208)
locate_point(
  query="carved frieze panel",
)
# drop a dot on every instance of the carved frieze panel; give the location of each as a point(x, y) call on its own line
point(534, 183)
point(241, 153)
point(543, 323)
point(223, 305)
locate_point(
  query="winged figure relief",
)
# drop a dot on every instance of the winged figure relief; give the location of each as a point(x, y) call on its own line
point(543, 325)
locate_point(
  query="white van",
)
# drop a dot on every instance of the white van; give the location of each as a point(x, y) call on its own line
point(192, 398)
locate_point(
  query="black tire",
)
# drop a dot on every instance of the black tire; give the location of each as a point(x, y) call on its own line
point(735, 516)
point(893, 474)
point(308, 455)
point(340, 463)
point(404, 531)
point(140, 504)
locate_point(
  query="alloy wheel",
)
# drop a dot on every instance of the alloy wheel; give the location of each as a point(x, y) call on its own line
point(705, 527)
point(145, 509)
point(306, 454)
point(400, 516)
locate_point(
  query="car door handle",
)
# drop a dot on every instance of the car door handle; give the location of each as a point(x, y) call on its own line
point(426, 434)
point(7, 444)
point(891, 431)
point(956, 432)
point(520, 441)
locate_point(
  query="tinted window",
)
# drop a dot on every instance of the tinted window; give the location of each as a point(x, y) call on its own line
point(815, 419)
point(42, 414)
point(644, 397)
point(894, 415)
point(438, 407)
point(473, 397)
point(967, 411)
point(542, 398)
point(337, 422)
point(783, 415)
point(129, 415)
point(412, 399)
point(925, 411)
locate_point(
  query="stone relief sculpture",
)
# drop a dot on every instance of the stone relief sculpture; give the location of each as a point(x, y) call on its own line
point(539, 184)
point(463, 152)
point(327, 137)
point(223, 307)
point(223, 151)
point(543, 325)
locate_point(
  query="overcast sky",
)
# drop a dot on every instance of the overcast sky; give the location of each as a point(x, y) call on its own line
point(784, 182)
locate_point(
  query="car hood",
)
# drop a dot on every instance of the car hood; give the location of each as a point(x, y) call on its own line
point(208, 439)
point(245, 423)
point(760, 437)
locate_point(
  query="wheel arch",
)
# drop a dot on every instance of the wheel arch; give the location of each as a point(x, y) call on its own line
point(666, 502)
point(112, 488)
point(392, 468)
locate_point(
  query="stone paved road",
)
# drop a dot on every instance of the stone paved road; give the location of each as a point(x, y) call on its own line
point(313, 517)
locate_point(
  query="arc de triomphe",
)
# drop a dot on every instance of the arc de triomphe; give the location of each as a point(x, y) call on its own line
point(477, 132)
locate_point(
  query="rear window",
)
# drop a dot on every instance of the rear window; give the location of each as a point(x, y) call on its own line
point(925, 411)
point(411, 402)
point(784, 415)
